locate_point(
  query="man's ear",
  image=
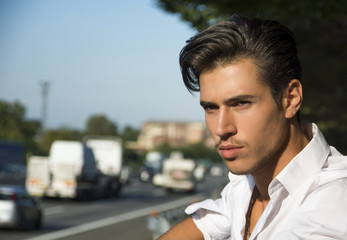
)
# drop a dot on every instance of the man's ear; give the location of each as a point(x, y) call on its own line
point(292, 98)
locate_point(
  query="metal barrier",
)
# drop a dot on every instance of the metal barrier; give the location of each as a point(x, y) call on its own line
point(160, 222)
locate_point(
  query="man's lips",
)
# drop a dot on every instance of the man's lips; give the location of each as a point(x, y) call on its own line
point(229, 151)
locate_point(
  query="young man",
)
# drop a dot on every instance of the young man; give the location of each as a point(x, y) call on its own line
point(286, 182)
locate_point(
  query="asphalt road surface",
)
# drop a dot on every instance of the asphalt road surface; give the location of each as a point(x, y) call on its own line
point(123, 218)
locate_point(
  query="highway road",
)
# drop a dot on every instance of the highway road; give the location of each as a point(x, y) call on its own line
point(124, 218)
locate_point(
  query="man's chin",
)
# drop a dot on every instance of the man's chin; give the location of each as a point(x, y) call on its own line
point(237, 170)
point(240, 172)
point(229, 159)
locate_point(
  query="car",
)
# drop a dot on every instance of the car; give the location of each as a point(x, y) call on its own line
point(18, 209)
point(153, 165)
point(147, 173)
point(177, 175)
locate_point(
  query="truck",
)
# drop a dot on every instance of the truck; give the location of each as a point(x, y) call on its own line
point(177, 174)
point(37, 176)
point(108, 152)
point(73, 171)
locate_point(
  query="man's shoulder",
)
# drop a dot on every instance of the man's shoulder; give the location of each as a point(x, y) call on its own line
point(328, 190)
point(335, 164)
point(333, 175)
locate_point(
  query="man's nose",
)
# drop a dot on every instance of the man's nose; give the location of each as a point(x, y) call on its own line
point(225, 124)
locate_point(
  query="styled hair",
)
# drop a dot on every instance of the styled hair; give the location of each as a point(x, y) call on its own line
point(271, 45)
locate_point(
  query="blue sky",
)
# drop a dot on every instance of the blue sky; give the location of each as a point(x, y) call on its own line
point(113, 57)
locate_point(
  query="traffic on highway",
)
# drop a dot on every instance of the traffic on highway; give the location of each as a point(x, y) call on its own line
point(134, 207)
point(124, 217)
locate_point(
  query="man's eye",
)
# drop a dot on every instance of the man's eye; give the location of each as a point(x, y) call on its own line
point(209, 108)
point(241, 104)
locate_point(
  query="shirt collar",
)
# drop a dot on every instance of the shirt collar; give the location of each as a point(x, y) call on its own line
point(310, 160)
point(236, 179)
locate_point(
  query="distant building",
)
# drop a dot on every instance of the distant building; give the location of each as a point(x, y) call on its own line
point(155, 133)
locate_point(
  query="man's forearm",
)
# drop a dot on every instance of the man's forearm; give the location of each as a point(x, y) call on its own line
point(185, 230)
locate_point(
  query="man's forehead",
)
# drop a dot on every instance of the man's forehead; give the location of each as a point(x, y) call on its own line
point(235, 80)
point(237, 72)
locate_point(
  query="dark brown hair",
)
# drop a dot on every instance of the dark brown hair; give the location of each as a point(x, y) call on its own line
point(270, 44)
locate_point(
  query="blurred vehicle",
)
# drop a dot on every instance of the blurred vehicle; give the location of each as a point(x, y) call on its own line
point(147, 172)
point(218, 170)
point(108, 153)
point(37, 176)
point(153, 164)
point(73, 170)
point(18, 209)
point(91, 169)
point(177, 175)
point(11, 153)
point(12, 163)
point(125, 175)
point(199, 172)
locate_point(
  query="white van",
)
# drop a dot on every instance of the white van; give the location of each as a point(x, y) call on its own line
point(37, 177)
point(73, 170)
point(108, 152)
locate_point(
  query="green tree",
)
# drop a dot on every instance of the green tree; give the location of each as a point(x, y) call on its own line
point(166, 148)
point(14, 126)
point(200, 151)
point(100, 125)
point(321, 30)
point(130, 134)
point(194, 151)
point(63, 133)
point(11, 121)
point(295, 13)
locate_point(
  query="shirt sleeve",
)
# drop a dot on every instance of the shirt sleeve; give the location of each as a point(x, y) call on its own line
point(212, 218)
point(209, 218)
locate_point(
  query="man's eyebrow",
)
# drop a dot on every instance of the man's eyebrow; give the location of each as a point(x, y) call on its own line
point(240, 98)
point(230, 100)
point(206, 103)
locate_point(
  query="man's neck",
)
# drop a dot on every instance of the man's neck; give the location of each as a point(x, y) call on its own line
point(297, 141)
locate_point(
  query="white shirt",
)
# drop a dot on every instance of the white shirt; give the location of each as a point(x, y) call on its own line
point(308, 200)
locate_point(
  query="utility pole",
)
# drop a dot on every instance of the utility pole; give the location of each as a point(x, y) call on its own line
point(44, 93)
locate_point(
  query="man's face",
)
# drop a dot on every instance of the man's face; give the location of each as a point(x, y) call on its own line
point(249, 129)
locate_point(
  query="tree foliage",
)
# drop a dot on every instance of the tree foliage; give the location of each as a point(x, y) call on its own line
point(295, 13)
point(194, 151)
point(100, 125)
point(321, 30)
point(200, 151)
point(63, 133)
point(14, 127)
point(95, 125)
point(129, 133)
